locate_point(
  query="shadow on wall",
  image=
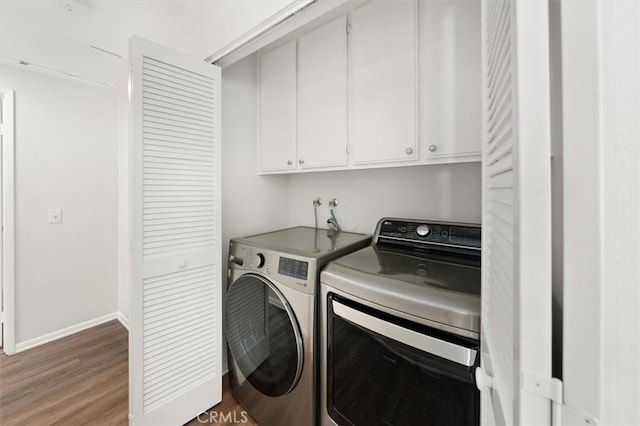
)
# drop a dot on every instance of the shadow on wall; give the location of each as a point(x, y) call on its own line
point(450, 192)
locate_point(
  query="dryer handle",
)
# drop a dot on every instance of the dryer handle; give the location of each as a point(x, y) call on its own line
point(237, 260)
point(432, 345)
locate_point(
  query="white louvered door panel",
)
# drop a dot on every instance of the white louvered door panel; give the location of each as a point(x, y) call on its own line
point(516, 271)
point(175, 339)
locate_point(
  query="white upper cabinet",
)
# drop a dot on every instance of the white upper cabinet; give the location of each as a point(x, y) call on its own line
point(390, 83)
point(322, 96)
point(450, 78)
point(278, 108)
point(383, 82)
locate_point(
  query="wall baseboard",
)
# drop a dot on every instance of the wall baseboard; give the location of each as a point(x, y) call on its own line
point(50, 337)
point(123, 320)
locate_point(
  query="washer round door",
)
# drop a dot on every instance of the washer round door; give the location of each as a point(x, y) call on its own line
point(263, 335)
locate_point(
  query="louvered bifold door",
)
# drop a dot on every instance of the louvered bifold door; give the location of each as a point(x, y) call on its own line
point(516, 263)
point(175, 325)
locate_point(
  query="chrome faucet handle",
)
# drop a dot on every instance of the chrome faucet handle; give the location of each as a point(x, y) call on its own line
point(333, 224)
point(317, 202)
point(333, 203)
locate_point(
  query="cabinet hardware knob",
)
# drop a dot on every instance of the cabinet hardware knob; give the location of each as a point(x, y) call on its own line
point(182, 263)
point(409, 151)
point(433, 148)
point(301, 161)
point(289, 163)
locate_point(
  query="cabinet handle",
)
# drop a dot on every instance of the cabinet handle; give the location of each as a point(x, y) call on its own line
point(432, 148)
point(409, 151)
point(301, 161)
point(289, 163)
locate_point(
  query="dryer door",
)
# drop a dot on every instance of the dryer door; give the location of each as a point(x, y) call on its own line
point(263, 335)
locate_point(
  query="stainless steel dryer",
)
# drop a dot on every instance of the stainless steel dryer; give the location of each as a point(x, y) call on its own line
point(270, 320)
point(401, 327)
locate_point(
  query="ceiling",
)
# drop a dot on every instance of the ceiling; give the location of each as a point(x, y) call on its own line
point(91, 43)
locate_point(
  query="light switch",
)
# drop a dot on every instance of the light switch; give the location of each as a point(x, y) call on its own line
point(55, 216)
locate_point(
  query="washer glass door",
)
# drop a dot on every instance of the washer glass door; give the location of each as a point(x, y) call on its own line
point(263, 335)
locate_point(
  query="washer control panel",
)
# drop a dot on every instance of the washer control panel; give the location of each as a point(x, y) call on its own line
point(293, 271)
point(419, 233)
point(293, 268)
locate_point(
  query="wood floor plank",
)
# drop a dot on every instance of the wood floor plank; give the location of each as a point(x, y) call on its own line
point(227, 412)
point(83, 380)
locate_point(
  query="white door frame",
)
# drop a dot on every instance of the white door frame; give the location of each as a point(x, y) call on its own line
point(8, 221)
point(601, 177)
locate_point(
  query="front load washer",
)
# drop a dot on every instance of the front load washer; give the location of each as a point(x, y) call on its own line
point(271, 320)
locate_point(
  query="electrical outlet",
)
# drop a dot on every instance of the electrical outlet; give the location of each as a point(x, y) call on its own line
point(55, 216)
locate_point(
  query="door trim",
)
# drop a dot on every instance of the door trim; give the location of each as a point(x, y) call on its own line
point(282, 27)
point(8, 220)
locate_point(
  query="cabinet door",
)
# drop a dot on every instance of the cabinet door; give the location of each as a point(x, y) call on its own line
point(450, 86)
point(382, 82)
point(322, 96)
point(278, 108)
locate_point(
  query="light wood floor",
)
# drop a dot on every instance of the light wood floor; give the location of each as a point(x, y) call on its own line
point(79, 380)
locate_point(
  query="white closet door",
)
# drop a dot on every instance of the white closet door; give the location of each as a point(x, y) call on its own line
point(516, 269)
point(175, 336)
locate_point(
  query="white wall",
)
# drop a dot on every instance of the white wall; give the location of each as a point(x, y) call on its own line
point(438, 192)
point(250, 203)
point(66, 158)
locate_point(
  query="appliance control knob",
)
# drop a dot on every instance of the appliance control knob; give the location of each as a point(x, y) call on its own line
point(260, 260)
point(423, 231)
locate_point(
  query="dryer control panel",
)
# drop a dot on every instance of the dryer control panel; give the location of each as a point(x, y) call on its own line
point(436, 235)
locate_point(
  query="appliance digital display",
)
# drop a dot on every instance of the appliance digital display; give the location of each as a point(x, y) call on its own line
point(293, 268)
